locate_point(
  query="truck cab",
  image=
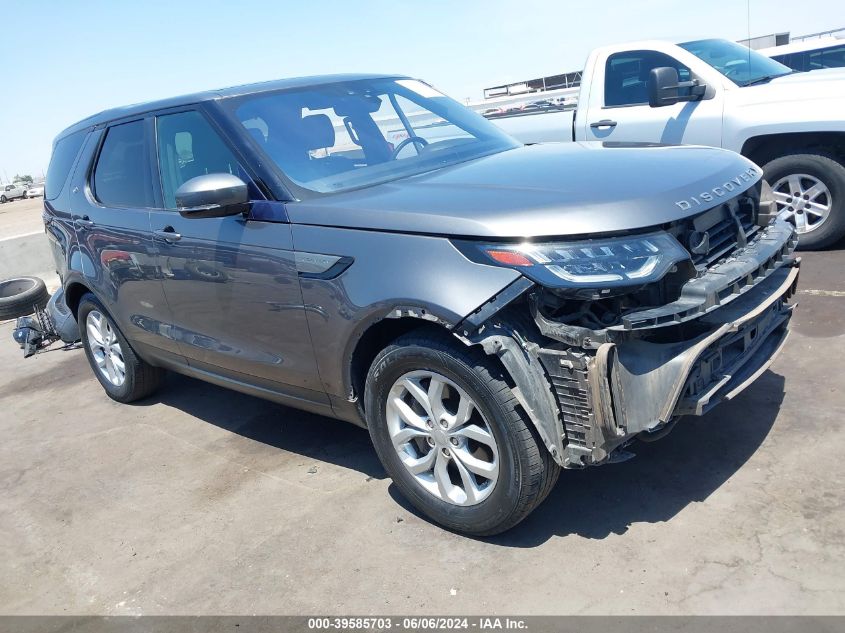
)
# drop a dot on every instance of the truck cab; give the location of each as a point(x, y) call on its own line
point(722, 94)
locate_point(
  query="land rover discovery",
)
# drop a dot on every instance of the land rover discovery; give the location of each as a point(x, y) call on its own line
point(364, 247)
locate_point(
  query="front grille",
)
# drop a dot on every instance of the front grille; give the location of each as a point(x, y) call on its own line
point(727, 226)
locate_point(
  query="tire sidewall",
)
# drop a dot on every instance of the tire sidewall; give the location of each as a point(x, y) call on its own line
point(21, 304)
point(399, 360)
point(815, 165)
point(86, 305)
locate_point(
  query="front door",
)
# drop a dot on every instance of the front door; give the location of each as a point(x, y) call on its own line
point(620, 112)
point(231, 283)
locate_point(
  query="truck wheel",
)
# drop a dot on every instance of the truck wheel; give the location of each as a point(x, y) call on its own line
point(124, 376)
point(811, 188)
point(19, 296)
point(452, 436)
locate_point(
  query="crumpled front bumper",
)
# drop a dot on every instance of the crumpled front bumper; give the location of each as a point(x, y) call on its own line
point(632, 384)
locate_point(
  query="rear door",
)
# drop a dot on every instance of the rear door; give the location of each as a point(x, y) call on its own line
point(618, 110)
point(111, 198)
point(231, 282)
point(56, 214)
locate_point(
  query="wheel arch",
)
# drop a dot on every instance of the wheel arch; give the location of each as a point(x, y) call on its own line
point(74, 291)
point(373, 338)
point(766, 147)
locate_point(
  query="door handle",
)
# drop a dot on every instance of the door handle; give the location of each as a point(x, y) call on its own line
point(84, 222)
point(168, 234)
point(603, 123)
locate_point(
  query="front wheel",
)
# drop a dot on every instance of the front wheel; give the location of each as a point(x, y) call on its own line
point(452, 436)
point(24, 196)
point(3, 199)
point(124, 376)
point(810, 189)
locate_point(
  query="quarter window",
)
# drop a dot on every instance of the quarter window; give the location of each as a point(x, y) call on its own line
point(64, 155)
point(122, 174)
point(626, 76)
point(189, 147)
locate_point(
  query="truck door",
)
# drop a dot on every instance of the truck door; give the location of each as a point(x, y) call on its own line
point(618, 107)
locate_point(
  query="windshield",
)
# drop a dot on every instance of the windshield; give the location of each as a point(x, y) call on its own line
point(346, 135)
point(736, 62)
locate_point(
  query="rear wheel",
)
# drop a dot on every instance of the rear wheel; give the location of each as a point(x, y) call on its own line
point(124, 376)
point(453, 437)
point(810, 189)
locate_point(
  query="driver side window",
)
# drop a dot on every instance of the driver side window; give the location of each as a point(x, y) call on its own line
point(188, 147)
point(626, 76)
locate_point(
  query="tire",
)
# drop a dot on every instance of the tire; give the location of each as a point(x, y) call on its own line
point(20, 295)
point(24, 196)
point(140, 378)
point(526, 471)
point(3, 199)
point(803, 170)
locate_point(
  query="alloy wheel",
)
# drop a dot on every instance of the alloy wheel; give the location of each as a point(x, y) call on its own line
point(442, 438)
point(105, 348)
point(805, 198)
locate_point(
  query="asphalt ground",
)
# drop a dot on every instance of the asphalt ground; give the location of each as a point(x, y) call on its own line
point(205, 501)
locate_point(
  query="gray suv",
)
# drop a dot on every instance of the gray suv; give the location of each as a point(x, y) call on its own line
point(365, 248)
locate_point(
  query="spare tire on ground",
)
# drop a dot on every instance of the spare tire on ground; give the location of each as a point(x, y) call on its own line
point(19, 296)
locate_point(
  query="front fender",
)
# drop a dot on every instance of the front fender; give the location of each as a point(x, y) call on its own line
point(391, 275)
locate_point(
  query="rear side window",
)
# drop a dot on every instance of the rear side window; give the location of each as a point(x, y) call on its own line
point(626, 76)
point(64, 156)
point(122, 174)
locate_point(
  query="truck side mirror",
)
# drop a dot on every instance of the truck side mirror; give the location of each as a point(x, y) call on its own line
point(663, 87)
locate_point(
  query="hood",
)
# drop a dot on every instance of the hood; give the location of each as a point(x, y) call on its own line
point(825, 83)
point(557, 189)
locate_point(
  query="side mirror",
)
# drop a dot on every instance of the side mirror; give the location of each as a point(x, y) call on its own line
point(212, 196)
point(663, 87)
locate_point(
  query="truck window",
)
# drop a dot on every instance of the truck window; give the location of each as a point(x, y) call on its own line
point(64, 156)
point(795, 61)
point(122, 175)
point(831, 57)
point(626, 76)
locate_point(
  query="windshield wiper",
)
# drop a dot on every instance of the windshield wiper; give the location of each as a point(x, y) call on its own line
point(766, 79)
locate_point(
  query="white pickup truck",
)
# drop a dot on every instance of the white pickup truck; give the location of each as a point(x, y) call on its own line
point(718, 93)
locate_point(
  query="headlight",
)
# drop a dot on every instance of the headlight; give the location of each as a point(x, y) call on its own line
point(602, 263)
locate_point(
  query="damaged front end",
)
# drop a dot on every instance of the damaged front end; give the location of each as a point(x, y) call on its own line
point(595, 366)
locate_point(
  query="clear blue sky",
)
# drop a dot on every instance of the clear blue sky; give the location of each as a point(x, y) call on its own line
point(66, 59)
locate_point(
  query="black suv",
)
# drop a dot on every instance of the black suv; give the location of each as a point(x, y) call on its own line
point(366, 248)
